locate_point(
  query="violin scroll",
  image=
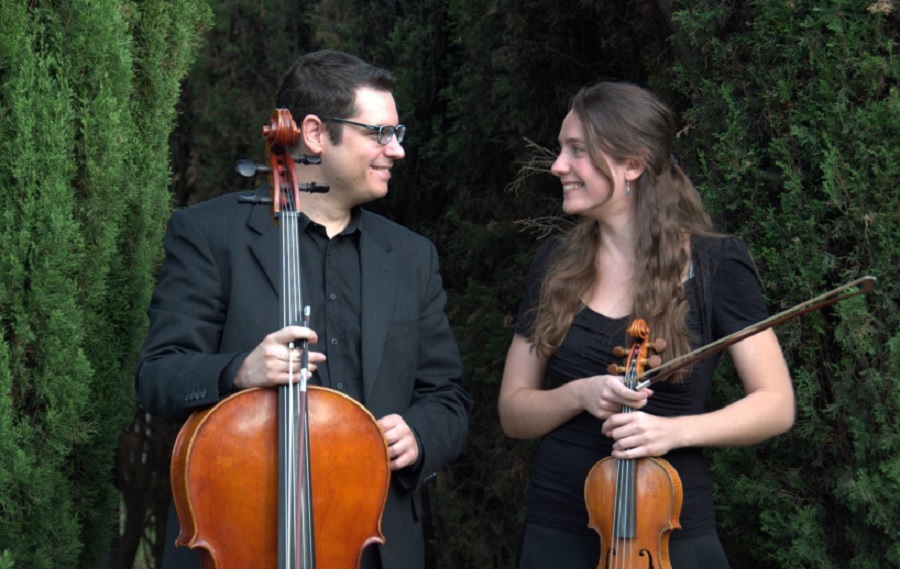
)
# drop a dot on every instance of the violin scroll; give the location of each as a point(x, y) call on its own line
point(638, 356)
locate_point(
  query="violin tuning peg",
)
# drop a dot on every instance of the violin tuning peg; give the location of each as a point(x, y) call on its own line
point(653, 361)
point(614, 369)
point(619, 352)
point(659, 345)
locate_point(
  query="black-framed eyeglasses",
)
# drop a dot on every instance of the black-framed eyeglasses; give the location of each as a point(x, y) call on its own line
point(385, 132)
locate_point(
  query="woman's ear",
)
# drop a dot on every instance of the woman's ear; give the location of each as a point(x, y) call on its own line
point(633, 169)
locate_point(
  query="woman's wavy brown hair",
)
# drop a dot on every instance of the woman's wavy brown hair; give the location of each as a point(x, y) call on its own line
point(629, 123)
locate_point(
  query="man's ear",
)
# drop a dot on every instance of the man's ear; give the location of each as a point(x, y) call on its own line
point(313, 134)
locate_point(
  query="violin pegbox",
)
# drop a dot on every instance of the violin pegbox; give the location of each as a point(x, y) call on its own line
point(638, 357)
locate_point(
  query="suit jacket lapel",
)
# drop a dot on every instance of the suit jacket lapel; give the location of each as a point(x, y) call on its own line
point(379, 292)
point(267, 247)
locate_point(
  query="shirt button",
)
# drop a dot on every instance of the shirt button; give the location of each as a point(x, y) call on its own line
point(340, 386)
point(332, 296)
point(334, 341)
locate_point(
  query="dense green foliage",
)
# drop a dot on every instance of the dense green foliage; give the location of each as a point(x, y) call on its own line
point(88, 93)
point(794, 127)
point(790, 116)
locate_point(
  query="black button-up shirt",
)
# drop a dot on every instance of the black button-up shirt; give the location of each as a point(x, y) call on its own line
point(332, 287)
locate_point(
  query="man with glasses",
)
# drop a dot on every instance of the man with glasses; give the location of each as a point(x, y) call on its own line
point(377, 319)
point(385, 132)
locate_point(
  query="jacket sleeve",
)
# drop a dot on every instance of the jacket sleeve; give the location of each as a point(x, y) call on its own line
point(179, 368)
point(439, 413)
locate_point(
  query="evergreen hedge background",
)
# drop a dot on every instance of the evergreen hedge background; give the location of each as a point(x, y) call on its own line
point(88, 94)
point(790, 125)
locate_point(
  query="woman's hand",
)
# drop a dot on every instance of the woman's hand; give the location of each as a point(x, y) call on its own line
point(638, 434)
point(606, 395)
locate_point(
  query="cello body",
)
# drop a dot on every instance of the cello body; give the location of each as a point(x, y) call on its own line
point(224, 480)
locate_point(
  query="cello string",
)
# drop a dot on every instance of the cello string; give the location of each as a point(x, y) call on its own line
point(302, 520)
point(291, 303)
point(289, 436)
point(293, 299)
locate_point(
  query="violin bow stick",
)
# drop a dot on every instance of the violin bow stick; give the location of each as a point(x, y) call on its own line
point(859, 286)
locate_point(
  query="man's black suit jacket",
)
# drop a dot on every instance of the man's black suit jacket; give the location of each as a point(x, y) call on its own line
point(216, 298)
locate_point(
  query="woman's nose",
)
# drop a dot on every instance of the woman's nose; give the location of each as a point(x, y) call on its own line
point(559, 167)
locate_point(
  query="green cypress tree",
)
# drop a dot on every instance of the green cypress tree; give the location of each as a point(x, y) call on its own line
point(88, 90)
point(793, 135)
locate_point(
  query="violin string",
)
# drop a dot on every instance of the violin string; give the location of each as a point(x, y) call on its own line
point(626, 484)
point(619, 513)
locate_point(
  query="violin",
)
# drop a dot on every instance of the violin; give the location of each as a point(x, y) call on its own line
point(290, 477)
point(634, 504)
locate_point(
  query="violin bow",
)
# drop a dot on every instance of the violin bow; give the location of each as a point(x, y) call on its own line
point(861, 285)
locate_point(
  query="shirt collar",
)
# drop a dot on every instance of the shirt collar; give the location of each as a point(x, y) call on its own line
point(352, 227)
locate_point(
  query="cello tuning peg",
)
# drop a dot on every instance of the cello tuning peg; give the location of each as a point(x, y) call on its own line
point(659, 345)
point(316, 188)
point(249, 168)
point(306, 159)
point(614, 369)
point(254, 199)
point(619, 352)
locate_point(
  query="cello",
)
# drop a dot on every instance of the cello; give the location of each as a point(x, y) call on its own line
point(292, 477)
point(634, 504)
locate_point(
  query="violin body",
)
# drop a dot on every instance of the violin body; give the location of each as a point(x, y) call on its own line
point(657, 506)
point(225, 480)
point(634, 503)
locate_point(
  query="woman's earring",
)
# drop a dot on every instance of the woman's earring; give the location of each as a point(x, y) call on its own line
point(627, 188)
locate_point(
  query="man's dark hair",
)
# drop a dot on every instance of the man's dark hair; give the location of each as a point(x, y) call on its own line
point(324, 83)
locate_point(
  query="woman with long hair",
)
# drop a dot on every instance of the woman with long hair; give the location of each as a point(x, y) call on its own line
point(643, 248)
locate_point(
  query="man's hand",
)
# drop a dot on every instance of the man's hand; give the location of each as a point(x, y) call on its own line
point(271, 361)
point(402, 447)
